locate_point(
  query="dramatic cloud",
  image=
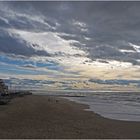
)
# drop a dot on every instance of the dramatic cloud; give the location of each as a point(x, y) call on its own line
point(70, 41)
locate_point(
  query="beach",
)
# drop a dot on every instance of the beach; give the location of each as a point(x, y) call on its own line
point(51, 117)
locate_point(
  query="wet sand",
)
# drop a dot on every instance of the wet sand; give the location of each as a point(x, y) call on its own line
point(52, 117)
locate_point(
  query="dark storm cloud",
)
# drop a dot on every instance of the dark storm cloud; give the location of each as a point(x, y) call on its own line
point(110, 26)
point(29, 66)
point(36, 83)
point(28, 82)
point(15, 46)
point(115, 81)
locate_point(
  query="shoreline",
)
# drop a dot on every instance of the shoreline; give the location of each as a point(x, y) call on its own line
point(91, 109)
point(37, 116)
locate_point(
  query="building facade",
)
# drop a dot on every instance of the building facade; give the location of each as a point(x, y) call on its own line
point(3, 87)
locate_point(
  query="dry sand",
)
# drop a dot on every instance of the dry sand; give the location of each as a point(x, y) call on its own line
point(49, 117)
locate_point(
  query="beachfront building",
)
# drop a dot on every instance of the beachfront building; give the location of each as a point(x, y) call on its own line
point(3, 87)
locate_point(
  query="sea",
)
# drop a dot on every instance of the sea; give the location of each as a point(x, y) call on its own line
point(109, 104)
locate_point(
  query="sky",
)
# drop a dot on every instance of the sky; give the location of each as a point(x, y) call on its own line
point(70, 45)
